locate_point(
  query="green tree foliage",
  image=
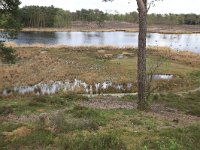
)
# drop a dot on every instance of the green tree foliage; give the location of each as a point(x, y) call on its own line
point(9, 21)
point(9, 17)
point(39, 16)
point(90, 15)
point(62, 19)
point(36, 16)
point(7, 54)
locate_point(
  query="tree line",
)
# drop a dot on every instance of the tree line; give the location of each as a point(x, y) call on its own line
point(40, 16)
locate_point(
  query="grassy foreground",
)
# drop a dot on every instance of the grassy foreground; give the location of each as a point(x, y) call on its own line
point(74, 122)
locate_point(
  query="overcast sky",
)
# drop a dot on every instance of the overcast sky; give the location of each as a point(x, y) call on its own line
point(122, 6)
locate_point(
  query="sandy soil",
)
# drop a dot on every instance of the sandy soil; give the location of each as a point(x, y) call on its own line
point(121, 26)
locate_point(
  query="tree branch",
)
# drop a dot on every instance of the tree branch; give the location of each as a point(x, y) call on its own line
point(141, 5)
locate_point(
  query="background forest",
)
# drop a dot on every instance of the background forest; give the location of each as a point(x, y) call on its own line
point(36, 16)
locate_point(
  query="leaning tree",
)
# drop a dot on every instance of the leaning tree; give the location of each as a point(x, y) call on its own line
point(143, 7)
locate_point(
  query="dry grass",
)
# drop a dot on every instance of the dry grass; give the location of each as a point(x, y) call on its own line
point(89, 64)
point(181, 56)
point(39, 45)
point(150, 30)
point(120, 26)
point(19, 132)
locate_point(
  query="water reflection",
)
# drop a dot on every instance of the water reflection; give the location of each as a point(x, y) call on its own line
point(174, 41)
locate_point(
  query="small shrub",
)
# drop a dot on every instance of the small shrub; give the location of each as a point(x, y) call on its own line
point(88, 113)
point(148, 123)
point(162, 144)
point(57, 101)
point(7, 54)
point(155, 97)
point(81, 124)
point(6, 110)
point(84, 112)
point(58, 121)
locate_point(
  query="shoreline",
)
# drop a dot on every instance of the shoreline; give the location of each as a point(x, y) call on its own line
point(150, 30)
point(39, 45)
point(110, 26)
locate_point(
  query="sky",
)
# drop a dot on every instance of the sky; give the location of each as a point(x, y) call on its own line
point(120, 6)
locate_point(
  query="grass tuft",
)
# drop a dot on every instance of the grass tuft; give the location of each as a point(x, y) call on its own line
point(93, 142)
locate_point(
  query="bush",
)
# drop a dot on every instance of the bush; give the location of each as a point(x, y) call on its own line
point(88, 113)
point(6, 110)
point(61, 123)
point(7, 54)
point(162, 144)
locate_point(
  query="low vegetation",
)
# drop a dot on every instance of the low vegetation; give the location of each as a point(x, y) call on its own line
point(187, 102)
point(72, 121)
point(49, 124)
point(36, 63)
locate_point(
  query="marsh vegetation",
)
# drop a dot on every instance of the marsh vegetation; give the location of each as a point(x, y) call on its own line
point(93, 65)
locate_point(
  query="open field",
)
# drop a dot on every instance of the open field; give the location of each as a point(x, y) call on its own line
point(121, 26)
point(38, 63)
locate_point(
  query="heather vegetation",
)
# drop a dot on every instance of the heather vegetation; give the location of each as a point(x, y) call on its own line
point(36, 63)
point(68, 121)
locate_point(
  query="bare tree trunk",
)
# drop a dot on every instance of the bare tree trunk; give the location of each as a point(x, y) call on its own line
point(142, 76)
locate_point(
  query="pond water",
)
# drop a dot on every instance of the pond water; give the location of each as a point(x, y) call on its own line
point(190, 42)
point(162, 76)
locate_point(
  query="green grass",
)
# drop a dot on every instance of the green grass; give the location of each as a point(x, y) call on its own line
point(88, 113)
point(74, 127)
point(172, 139)
point(106, 141)
point(40, 138)
point(189, 103)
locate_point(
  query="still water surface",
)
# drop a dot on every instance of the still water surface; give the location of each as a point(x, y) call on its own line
point(189, 42)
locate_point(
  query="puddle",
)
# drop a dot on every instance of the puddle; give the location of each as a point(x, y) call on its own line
point(53, 87)
point(162, 76)
point(120, 56)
